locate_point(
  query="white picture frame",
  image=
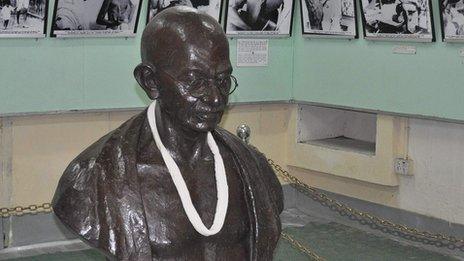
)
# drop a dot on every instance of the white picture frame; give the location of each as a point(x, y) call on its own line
point(23, 18)
point(329, 18)
point(398, 20)
point(210, 7)
point(96, 18)
point(255, 18)
point(452, 20)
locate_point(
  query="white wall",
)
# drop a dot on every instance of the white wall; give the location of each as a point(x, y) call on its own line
point(437, 187)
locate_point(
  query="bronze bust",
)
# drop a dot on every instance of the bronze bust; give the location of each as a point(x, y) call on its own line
point(120, 195)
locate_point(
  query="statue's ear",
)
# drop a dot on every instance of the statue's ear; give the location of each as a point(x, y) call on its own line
point(145, 76)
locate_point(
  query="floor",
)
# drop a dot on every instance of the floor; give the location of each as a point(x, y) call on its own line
point(329, 240)
point(333, 241)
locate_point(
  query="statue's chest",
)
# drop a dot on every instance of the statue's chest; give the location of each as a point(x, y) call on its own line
point(169, 228)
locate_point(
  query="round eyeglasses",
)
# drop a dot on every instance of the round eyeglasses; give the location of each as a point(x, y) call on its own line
point(197, 84)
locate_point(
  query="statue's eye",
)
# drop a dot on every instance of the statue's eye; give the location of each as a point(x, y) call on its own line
point(193, 79)
point(197, 82)
point(222, 81)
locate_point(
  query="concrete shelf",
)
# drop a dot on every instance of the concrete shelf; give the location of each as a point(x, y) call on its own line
point(346, 143)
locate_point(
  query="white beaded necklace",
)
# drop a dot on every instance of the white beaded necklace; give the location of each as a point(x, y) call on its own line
point(182, 190)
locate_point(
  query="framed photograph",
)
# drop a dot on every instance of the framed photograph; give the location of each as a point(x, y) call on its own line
point(259, 18)
point(23, 18)
point(329, 18)
point(210, 7)
point(398, 20)
point(452, 20)
point(95, 18)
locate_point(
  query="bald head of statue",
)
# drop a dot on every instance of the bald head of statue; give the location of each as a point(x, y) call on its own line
point(186, 67)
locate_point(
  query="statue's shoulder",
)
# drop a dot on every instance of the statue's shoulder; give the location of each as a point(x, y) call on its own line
point(123, 136)
point(82, 173)
point(87, 192)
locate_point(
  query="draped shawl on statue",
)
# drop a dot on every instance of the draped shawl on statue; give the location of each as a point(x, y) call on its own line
point(98, 196)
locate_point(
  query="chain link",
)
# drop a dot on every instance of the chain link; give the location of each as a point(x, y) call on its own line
point(362, 218)
point(367, 219)
point(31, 209)
point(47, 208)
point(302, 248)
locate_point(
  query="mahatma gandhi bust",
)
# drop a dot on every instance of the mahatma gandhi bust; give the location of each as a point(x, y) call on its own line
point(169, 184)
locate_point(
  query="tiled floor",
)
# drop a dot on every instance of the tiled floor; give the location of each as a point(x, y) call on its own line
point(334, 241)
point(330, 240)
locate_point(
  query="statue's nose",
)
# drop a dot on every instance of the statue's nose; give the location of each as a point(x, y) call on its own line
point(213, 97)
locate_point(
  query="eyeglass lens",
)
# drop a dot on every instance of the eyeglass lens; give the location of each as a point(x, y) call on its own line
point(197, 85)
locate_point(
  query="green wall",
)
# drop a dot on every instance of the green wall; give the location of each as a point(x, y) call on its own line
point(367, 75)
point(74, 74)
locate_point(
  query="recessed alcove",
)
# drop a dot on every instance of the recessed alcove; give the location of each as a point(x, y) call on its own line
point(337, 129)
point(346, 143)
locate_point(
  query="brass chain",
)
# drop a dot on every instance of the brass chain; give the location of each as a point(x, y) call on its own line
point(302, 248)
point(367, 219)
point(31, 209)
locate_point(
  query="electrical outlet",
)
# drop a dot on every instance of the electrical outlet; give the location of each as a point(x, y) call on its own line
point(402, 166)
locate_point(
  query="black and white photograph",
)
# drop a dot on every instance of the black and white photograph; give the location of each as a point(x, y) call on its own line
point(400, 20)
point(23, 18)
point(452, 20)
point(95, 18)
point(210, 7)
point(259, 18)
point(330, 18)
